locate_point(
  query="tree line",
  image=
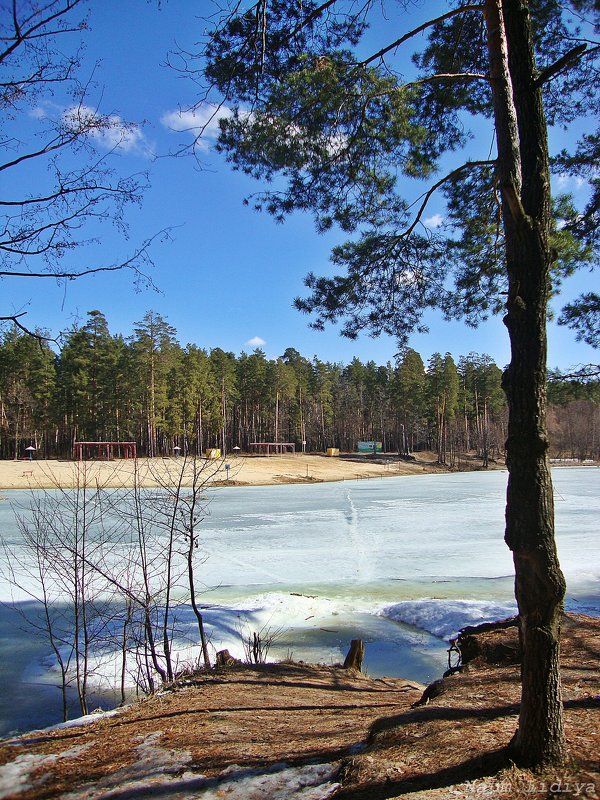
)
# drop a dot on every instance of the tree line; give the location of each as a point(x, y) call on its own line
point(149, 389)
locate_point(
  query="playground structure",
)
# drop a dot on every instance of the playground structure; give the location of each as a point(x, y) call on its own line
point(84, 451)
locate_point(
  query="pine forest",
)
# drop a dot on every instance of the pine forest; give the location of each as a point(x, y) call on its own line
point(149, 389)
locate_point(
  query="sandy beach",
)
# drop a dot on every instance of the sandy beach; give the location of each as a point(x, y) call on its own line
point(243, 470)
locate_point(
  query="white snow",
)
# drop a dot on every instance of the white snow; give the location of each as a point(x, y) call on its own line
point(15, 777)
point(158, 771)
point(312, 782)
point(444, 618)
point(87, 719)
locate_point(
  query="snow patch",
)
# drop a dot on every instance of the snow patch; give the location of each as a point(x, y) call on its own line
point(154, 768)
point(444, 618)
point(280, 782)
point(159, 772)
point(88, 719)
point(15, 777)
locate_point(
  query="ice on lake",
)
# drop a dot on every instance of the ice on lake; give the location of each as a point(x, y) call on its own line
point(402, 563)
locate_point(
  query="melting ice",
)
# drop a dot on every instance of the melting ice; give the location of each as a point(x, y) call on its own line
point(402, 563)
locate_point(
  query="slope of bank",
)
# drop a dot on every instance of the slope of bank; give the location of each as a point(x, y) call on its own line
point(301, 732)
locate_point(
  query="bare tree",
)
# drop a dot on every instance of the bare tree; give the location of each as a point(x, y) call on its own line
point(61, 536)
point(181, 506)
point(113, 572)
point(55, 149)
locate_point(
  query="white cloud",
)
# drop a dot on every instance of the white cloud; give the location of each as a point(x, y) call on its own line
point(565, 181)
point(256, 341)
point(337, 144)
point(38, 113)
point(434, 221)
point(202, 122)
point(110, 133)
point(128, 138)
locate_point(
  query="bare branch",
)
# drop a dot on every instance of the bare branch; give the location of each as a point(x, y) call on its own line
point(61, 193)
point(446, 76)
point(16, 25)
point(411, 34)
point(311, 17)
point(35, 30)
point(442, 76)
point(450, 176)
point(15, 319)
point(140, 254)
point(56, 144)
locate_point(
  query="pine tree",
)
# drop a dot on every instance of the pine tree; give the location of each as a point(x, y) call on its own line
point(408, 391)
point(27, 385)
point(282, 385)
point(302, 373)
point(154, 348)
point(224, 372)
point(199, 396)
point(340, 122)
point(442, 388)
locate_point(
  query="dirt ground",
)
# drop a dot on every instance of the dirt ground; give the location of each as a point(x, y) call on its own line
point(185, 741)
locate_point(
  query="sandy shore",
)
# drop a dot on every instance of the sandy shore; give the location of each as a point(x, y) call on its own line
point(243, 471)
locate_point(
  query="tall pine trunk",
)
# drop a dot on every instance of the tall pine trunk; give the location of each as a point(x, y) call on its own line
point(526, 205)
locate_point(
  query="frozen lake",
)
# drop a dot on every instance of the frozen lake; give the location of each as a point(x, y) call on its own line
point(402, 563)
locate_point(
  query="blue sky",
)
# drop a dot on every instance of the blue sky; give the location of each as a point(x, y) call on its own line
point(228, 275)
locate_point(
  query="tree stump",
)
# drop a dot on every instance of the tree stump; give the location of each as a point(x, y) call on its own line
point(356, 654)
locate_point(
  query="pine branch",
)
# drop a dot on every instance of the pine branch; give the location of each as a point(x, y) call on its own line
point(585, 372)
point(563, 63)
